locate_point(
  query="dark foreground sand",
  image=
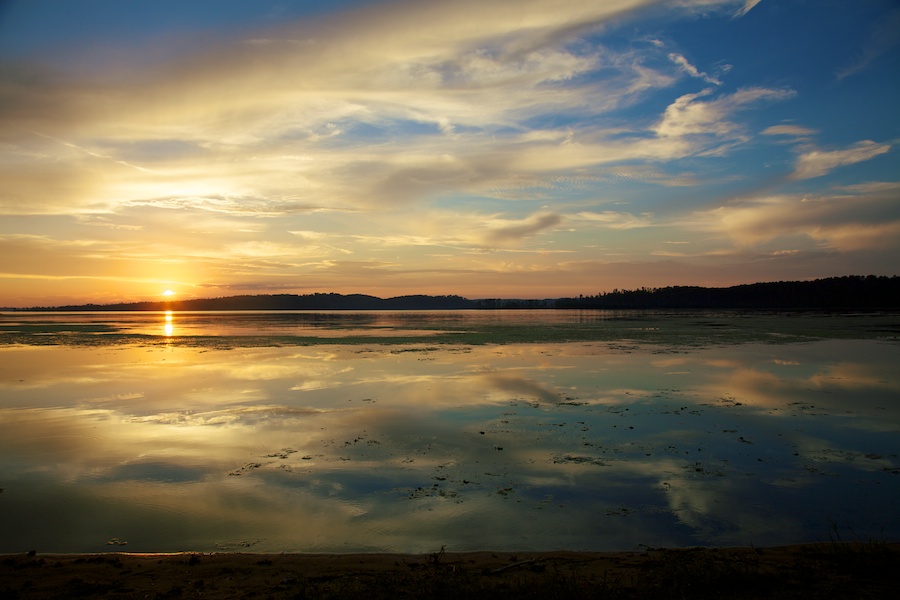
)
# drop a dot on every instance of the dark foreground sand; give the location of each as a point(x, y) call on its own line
point(844, 570)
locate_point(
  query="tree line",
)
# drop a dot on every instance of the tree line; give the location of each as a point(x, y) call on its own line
point(869, 292)
point(850, 292)
point(318, 301)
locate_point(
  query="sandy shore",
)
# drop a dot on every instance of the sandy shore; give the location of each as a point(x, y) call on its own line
point(802, 571)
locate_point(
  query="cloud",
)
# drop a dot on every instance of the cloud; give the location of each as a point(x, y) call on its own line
point(95, 154)
point(347, 65)
point(689, 115)
point(815, 163)
point(747, 7)
point(789, 130)
point(616, 219)
point(341, 117)
point(525, 228)
point(689, 126)
point(691, 70)
point(838, 222)
point(882, 39)
point(872, 187)
point(647, 174)
point(227, 204)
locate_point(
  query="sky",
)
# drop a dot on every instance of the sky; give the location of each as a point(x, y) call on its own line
point(485, 148)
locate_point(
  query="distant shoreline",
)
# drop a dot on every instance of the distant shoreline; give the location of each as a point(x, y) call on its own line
point(836, 293)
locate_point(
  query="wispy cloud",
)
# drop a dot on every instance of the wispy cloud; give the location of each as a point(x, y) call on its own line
point(531, 226)
point(815, 163)
point(691, 70)
point(690, 116)
point(747, 7)
point(884, 36)
point(795, 131)
point(616, 219)
point(245, 127)
point(236, 131)
point(837, 222)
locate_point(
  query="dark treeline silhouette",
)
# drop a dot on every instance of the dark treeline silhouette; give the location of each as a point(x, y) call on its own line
point(850, 292)
point(291, 302)
point(836, 293)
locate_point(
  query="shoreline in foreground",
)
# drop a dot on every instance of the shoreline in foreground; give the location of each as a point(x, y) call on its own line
point(835, 570)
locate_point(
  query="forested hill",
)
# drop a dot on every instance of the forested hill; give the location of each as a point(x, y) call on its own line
point(836, 293)
point(292, 302)
point(851, 292)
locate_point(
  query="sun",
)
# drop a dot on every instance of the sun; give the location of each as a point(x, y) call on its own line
point(168, 293)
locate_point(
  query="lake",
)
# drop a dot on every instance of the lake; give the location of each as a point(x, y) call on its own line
point(469, 430)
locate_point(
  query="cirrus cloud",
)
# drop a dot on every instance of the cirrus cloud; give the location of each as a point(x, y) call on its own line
point(815, 163)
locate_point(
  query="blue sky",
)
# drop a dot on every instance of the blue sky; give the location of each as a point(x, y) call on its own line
point(488, 149)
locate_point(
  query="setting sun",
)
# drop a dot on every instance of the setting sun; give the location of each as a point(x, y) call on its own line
point(168, 293)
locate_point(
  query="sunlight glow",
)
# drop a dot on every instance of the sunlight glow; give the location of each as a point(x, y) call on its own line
point(169, 327)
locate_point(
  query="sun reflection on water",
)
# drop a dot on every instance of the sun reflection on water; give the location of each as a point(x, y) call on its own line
point(169, 327)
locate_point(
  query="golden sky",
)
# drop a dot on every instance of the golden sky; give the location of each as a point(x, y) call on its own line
point(527, 148)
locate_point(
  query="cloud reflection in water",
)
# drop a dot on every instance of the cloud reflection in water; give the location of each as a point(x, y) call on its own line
point(413, 447)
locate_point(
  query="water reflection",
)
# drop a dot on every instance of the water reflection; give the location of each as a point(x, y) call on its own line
point(169, 327)
point(410, 448)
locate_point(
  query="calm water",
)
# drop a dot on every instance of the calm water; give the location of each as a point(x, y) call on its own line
point(383, 431)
